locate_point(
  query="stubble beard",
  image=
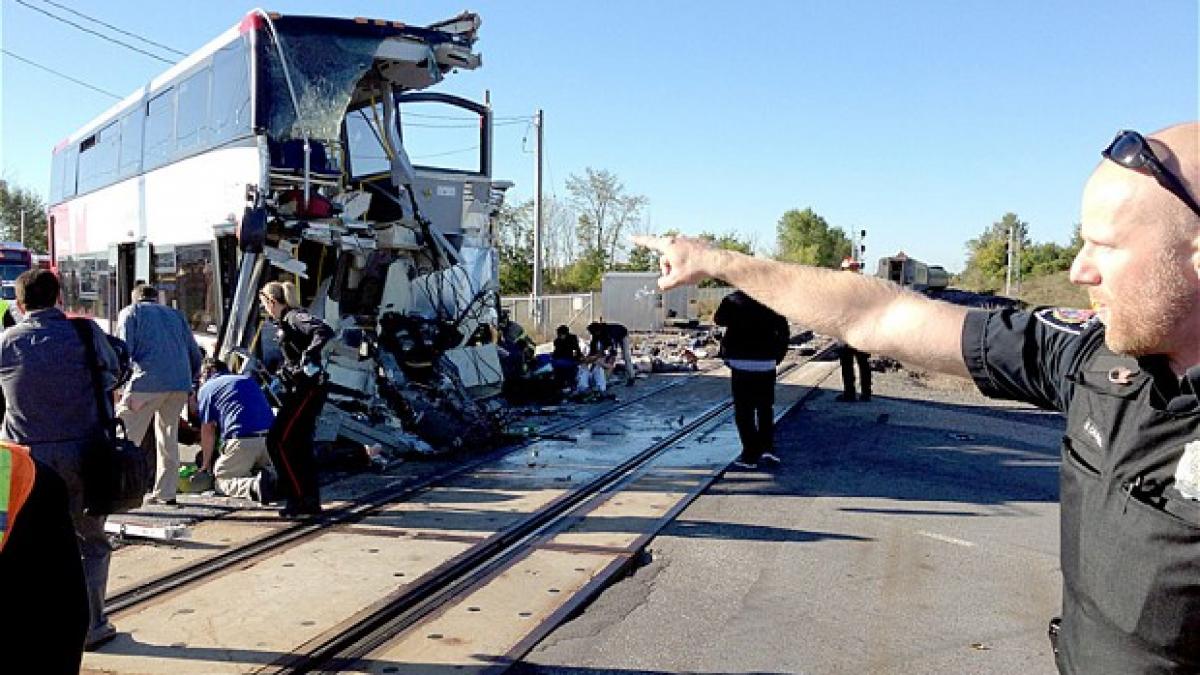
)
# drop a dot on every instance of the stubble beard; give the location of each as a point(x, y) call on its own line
point(1143, 321)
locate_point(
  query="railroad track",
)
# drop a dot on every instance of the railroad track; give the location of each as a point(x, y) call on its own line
point(150, 589)
point(467, 559)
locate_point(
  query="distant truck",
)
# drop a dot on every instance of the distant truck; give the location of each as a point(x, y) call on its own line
point(14, 259)
point(913, 273)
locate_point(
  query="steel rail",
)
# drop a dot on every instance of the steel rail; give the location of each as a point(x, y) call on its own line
point(172, 580)
point(406, 607)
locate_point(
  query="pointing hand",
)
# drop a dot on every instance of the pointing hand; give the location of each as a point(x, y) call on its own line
point(683, 260)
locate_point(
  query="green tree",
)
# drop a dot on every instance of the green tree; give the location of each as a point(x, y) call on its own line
point(515, 248)
point(805, 237)
point(987, 255)
point(13, 201)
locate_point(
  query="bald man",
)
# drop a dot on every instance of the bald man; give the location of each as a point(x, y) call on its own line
point(1125, 377)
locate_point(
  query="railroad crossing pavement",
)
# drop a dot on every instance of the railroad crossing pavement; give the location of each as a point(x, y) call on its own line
point(916, 533)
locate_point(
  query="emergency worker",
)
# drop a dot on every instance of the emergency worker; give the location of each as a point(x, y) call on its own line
point(45, 597)
point(302, 336)
point(1126, 377)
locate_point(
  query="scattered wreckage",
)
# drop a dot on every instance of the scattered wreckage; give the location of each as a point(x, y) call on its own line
point(398, 258)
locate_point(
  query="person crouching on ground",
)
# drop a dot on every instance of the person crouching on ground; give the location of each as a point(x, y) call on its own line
point(234, 414)
point(290, 441)
point(566, 358)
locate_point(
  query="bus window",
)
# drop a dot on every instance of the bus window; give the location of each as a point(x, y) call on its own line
point(191, 125)
point(189, 285)
point(439, 136)
point(367, 155)
point(84, 282)
point(70, 163)
point(230, 116)
point(131, 143)
point(160, 129)
point(98, 158)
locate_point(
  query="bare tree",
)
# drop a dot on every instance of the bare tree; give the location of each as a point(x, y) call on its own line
point(605, 210)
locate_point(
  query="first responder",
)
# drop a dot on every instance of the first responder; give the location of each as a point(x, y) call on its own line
point(1127, 378)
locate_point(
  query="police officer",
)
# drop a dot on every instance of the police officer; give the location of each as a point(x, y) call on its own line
point(302, 336)
point(1126, 378)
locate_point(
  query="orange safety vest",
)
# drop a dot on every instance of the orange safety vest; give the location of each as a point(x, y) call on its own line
point(16, 482)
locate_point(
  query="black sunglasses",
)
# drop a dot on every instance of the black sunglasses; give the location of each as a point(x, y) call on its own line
point(1130, 150)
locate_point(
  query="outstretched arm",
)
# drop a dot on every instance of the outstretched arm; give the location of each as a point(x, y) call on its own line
point(871, 314)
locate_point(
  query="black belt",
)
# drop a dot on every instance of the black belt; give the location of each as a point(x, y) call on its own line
point(261, 434)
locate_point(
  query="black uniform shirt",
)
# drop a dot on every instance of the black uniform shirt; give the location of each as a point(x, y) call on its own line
point(302, 337)
point(1130, 540)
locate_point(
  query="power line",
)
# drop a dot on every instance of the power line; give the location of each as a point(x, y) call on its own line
point(102, 36)
point(114, 28)
point(62, 75)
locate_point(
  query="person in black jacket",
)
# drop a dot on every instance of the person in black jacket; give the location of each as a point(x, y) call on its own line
point(756, 339)
point(45, 614)
point(290, 440)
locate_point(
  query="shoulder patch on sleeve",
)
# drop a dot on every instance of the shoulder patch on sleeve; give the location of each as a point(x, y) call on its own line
point(1065, 319)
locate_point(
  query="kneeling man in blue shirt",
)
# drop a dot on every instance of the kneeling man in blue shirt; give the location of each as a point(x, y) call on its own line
point(234, 410)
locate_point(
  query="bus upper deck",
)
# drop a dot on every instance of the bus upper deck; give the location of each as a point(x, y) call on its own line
point(281, 149)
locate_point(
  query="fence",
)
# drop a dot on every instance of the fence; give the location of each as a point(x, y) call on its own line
point(576, 310)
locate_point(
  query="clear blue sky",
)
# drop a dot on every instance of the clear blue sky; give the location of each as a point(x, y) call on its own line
point(921, 122)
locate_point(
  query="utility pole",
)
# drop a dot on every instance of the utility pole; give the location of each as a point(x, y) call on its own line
point(22, 227)
point(1008, 267)
point(1017, 264)
point(537, 222)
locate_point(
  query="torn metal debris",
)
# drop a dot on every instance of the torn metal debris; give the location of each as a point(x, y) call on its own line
point(397, 256)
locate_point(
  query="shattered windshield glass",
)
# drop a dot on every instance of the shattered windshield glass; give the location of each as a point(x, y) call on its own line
point(325, 70)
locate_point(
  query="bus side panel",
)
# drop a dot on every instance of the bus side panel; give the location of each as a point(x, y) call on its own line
point(184, 200)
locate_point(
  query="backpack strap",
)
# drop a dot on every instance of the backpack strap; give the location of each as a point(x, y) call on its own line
point(84, 329)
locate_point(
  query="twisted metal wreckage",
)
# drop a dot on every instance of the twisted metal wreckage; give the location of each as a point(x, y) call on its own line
point(398, 259)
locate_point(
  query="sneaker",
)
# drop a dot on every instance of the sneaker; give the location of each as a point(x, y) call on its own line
point(99, 636)
point(845, 398)
point(155, 501)
point(263, 489)
point(771, 458)
point(743, 463)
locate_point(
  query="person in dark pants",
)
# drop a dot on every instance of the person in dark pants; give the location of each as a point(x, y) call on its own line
point(290, 440)
point(44, 617)
point(755, 341)
point(848, 356)
point(52, 409)
point(565, 358)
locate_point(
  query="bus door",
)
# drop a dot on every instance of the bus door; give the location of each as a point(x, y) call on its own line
point(129, 264)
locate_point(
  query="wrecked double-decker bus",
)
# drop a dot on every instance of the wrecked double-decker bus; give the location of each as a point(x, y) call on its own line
point(284, 150)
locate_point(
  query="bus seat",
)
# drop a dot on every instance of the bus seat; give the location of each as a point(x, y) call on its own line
point(289, 156)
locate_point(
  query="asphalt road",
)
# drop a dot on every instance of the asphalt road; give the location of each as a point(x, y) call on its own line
point(916, 533)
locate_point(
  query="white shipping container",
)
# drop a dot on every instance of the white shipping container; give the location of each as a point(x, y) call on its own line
point(634, 300)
